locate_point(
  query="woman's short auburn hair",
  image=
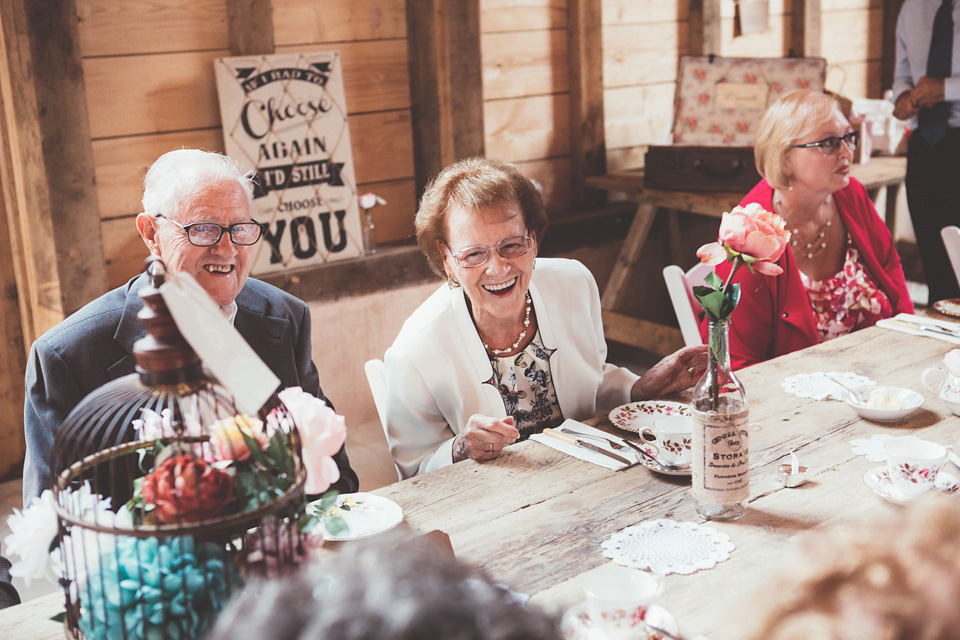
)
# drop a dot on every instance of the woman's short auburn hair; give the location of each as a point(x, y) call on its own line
point(788, 120)
point(473, 184)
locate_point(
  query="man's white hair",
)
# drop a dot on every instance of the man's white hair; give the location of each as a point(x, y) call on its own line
point(177, 176)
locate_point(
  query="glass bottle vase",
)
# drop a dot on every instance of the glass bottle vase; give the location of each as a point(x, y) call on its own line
point(721, 461)
point(369, 233)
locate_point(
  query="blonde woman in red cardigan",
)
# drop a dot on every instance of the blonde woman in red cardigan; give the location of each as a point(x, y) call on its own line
point(841, 271)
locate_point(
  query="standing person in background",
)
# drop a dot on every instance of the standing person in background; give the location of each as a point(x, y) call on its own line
point(926, 89)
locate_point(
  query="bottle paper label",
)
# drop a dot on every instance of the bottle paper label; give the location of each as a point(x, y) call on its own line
point(721, 457)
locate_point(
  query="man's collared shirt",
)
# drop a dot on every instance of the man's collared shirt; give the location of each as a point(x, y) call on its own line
point(914, 29)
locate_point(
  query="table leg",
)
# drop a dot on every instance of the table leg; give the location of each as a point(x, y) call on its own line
point(890, 215)
point(613, 293)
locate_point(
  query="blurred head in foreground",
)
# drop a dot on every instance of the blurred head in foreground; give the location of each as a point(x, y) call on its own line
point(392, 587)
point(896, 578)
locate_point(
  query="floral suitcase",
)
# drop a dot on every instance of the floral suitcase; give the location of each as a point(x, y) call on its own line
point(717, 108)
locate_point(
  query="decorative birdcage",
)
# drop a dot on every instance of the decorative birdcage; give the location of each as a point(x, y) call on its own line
point(168, 498)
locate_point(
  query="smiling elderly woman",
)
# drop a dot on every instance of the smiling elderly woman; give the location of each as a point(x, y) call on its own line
point(512, 344)
point(841, 271)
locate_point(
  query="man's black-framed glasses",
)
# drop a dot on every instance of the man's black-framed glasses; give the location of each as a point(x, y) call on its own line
point(207, 234)
point(829, 146)
point(470, 257)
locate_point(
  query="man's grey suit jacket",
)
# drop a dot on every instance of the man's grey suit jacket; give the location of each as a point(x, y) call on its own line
point(95, 345)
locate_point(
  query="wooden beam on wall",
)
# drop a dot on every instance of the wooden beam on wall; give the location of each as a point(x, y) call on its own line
point(51, 169)
point(705, 33)
point(807, 24)
point(446, 84)
point(13, 359)
point(888, 60)
point(466, 78)
point(250, 25)
point(588, 147)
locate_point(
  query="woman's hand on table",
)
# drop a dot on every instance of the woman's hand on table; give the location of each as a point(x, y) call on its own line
point(484, 438)
point(676, 372)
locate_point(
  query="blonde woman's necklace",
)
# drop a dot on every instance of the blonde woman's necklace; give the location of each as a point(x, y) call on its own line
point(523, 332)
point(819, 242)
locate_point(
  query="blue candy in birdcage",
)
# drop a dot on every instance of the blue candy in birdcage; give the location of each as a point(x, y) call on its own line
point(145, 589)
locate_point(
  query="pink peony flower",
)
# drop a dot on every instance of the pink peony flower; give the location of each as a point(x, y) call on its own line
point(757, 235)
point(322, 431)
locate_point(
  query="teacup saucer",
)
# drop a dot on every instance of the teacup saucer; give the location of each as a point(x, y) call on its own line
point(878, 480)
point(668, 470)
point(577, 625)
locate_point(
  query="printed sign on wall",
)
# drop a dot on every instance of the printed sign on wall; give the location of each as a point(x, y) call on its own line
point(286, 116)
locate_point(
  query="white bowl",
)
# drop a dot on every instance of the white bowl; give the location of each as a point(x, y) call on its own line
point(908, 398)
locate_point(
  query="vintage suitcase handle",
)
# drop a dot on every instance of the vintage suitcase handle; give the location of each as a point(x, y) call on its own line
point(735, 168)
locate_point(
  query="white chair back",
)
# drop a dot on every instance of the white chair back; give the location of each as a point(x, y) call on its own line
point(951, 238)
point(680, 287)
point(378, 387)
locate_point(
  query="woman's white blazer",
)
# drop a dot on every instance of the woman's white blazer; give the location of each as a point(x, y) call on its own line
point(437, 370)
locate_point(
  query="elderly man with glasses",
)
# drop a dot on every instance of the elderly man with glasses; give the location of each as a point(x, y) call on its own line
point(197, 219)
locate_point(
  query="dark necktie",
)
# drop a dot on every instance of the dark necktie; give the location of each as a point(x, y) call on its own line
point(933, 121)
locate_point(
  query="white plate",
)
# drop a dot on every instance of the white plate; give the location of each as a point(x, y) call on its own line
point(640, 415)
point(948, 307)
point(910, 399)
point(878, 480)
point(365, 514)
point(577, 625)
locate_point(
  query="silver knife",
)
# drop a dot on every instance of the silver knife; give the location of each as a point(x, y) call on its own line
point(917, 326)
point(586, 445)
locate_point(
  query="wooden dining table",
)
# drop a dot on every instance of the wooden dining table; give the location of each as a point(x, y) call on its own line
point(535, 518)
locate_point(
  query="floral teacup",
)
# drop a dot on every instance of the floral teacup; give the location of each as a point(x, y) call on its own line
point(945, 384)
point(618, 599)
point(672, 438)
point(913, 465)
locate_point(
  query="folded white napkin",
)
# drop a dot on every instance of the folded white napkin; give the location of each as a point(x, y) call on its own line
point(892, 323)
point(586, 454)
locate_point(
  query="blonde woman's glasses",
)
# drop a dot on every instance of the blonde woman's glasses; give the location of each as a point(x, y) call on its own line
point(829, 146)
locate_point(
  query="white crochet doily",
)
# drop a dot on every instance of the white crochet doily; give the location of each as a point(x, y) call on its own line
point(819, 386)
point(665, 546)
point(872, 447)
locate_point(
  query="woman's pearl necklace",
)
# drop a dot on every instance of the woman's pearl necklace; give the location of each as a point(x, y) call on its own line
point(810, 249)
point(523, 333)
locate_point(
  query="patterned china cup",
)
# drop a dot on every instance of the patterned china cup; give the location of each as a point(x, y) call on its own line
point(945, 384)
point(913, 465)
point(618, 598)
point(671, 437)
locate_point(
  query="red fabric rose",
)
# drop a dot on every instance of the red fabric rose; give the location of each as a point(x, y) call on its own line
point(184, 489)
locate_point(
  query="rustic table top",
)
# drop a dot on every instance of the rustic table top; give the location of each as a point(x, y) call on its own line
point(535, 518)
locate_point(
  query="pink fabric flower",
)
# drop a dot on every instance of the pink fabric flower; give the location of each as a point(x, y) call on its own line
point(758, 235)
point(322, 431)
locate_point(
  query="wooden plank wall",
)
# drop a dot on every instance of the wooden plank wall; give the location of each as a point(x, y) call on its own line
point(643, 38)
point(150, 87)
point(852, 42)
point(526, 92)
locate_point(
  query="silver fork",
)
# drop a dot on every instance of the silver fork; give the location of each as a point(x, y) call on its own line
point(613, 443)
